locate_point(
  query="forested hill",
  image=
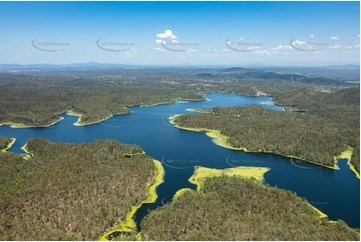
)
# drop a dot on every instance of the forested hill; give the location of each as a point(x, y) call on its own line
point(4, 142)
point(312, 100)
point(70, 191)
point(318, 135)
point(232, 208)
point(36, 97)
point(341, 107)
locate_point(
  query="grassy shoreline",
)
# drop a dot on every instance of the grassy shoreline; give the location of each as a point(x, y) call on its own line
point(347, 154)
point(156, 104)
point(56, 121)
point(129, 225)
point(79, 115)
point(16, 125)
point(28, 154)
point(180, 192)
point(202, 173)
point(79, 122)
point(21, 125)
point(9, 145)
point(353, 169)
point(222, 141)
point(177, 100)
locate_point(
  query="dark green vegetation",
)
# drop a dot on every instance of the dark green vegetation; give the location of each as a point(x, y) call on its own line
point(329, 125)
point(70, 191)
point(230, 208)
point(348, 73)
point(4, 141)
point(96, 92)
point(27, 102)
point(77, 192)
point(337, 111)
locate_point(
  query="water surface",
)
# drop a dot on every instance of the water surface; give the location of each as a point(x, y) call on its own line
point(334, 192)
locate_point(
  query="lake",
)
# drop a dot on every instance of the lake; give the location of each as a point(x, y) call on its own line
point(334, 192)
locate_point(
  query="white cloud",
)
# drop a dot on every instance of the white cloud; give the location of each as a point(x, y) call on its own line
point(348, 47)
point(168, 34)
point(334, 38)
point(262, 52)
point(158, 41)
point(159, 49)
point(300, 43)
point(253, 48)
point(357, 46)
point(312, 36)
point(281, 47)
point(335, 46)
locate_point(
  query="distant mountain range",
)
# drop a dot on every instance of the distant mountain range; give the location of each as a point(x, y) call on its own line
point(110, 65)
point(333, 74)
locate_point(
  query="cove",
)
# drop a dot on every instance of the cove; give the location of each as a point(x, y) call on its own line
point(334, 192)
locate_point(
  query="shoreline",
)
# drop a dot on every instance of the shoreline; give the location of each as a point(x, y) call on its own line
point(319, 212)
point(178, 100)
point(16, 125)
point(180, 192)
point(56, 121)
point(9, 145)
point(353, 169)
point(202, 173)
point(154, 104)
point(28, 155)
point(197, 110)
point(222, 141)
point(78, 122)
point(347, 154)
point(79, 115)
point(246, 172)
point(21, 125)
point(129, 225)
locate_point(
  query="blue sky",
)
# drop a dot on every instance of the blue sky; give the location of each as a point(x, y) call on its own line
point(180, 33)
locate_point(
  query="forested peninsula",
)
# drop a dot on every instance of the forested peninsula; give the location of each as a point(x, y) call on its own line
point(318, 135)
point(228, 206)
point(38, 98)
point(72, 191)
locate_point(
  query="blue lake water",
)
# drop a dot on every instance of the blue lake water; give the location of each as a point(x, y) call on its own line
point(334, 192)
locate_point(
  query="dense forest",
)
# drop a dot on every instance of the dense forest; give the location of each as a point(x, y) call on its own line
point(341, 107)
point(70, 191)
point(329, 126)
point(96, 94)
point(4, 142)
point(233, 208)
point(29, 103)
